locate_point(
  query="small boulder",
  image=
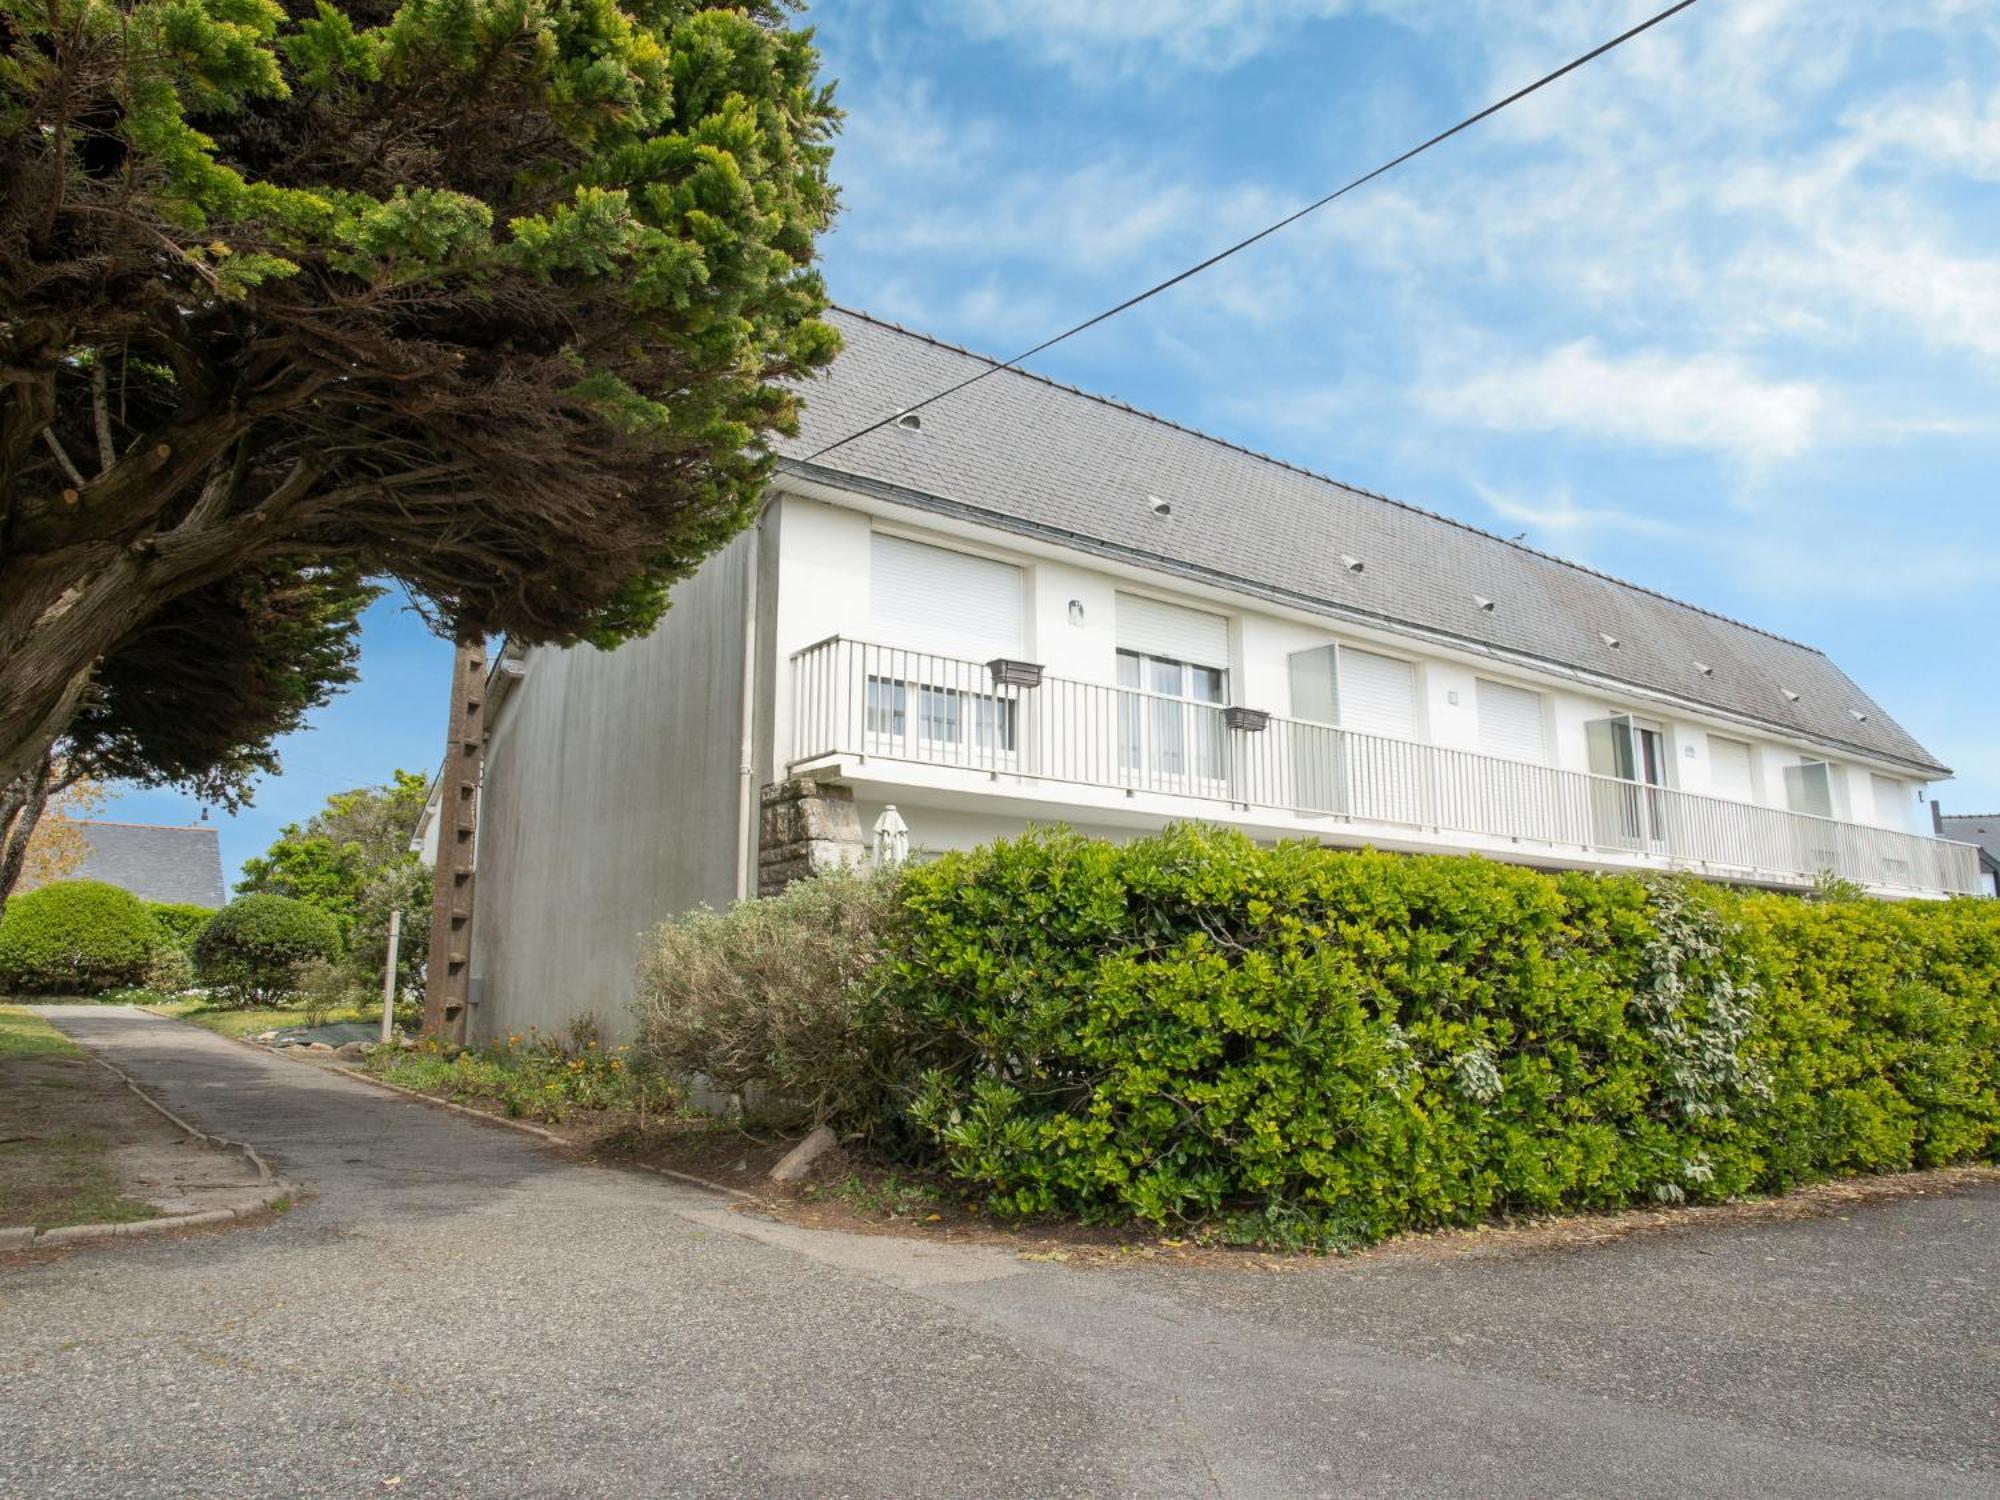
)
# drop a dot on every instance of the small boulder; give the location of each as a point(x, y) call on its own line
point(354, 1050)
point(798, 1162)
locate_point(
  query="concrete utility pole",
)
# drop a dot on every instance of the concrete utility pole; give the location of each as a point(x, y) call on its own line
point(389, 976)
point(448, 982)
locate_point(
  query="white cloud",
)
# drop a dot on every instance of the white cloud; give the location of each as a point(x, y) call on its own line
point(1558, 523)
point(1952, 130)
point(1703, 401)
point(1107, 38)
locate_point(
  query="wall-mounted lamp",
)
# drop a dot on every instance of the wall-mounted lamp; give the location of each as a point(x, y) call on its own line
point(1076, 611)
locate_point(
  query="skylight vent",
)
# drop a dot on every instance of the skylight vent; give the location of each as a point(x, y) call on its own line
point(1790, 696)
point(1352, 564)
point(1158, 506)
point(909, 421)
point(1859, 716)
point(1610, 640)
point(1704, 668)
point(1483, 602)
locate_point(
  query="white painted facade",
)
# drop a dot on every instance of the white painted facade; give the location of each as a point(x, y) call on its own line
point(849, 638)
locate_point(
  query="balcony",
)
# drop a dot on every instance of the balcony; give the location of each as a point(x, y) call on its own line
point(853, 699)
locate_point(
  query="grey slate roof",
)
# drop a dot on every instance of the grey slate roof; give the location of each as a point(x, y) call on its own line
point(1030, 455)
point(153, 861)
point(1982, 829)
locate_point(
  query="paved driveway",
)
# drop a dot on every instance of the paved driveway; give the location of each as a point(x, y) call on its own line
point(458, 1312)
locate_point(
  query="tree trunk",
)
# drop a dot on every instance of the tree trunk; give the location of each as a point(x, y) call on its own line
point(21, 806)
point(57, 635)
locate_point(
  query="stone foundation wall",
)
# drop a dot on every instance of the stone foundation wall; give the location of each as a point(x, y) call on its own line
point(806, 825)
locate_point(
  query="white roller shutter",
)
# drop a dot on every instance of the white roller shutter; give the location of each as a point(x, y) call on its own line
point(1729, 773)
point(1378, 694)
point(1173, 631)
point(924, 598)
point(1510, 722)
point(1892, 801)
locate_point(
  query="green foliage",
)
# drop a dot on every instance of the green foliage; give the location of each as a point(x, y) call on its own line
point(764, 999)
point(1302, 1046)
point(169, 972)
point(322, 988)
point(529, 1076)
point(352, 860)
point(253, 949)
point(75, 937)
point(501, 302)
point(180, 922)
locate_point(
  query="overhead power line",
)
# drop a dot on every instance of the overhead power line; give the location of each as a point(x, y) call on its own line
point(1268, 230)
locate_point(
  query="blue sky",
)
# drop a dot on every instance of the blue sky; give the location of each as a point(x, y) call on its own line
point(1720, 314)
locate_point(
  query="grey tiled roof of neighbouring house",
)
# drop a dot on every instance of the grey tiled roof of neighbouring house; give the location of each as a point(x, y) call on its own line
point(153, 861)
point(1982, 829)
point(1028, 454)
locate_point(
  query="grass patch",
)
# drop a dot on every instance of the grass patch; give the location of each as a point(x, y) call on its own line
point(25, 1034)
point(530, 1077)
point(60, 1179)
point(51, 1174)
point(231, 1021)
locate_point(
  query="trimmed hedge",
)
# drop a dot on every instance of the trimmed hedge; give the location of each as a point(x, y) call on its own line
point(75, 937)
point(251, 951)
point(1299, 1045)
point(180, 922)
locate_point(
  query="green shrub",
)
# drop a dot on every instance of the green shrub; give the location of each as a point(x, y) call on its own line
point(763, 999)
point(180, 922)
point(251, 951)
point(76, 937)
point(1298, 1045)
point(170, 971)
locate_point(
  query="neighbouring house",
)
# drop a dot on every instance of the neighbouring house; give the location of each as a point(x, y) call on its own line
point(154, 861)
point(1029, 604)
point(1982, 830)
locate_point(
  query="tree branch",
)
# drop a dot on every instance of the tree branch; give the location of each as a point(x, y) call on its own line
point(62, 457)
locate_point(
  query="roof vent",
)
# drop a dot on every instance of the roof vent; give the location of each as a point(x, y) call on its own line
point(1159, 507)
point(1609, 640)
point(1483, 602)
point(1790, 696)
point(909, 421)
point(1352, 564)
point(1704, 668)
point(1859, 716)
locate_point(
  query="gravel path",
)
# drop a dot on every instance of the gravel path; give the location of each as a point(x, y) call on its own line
point(457, 1311)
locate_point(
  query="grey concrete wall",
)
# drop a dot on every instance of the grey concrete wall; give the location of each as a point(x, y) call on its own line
point(609, 804)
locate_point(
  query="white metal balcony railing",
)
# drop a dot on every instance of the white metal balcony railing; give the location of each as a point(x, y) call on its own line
point(853, 698)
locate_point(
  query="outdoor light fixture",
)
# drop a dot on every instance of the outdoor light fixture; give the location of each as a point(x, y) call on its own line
point(1076, 611)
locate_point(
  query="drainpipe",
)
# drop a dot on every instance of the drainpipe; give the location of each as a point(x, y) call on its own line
point(746, 767)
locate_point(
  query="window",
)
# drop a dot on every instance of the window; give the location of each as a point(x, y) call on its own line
point(1510, 722)
point(1628, 750)
point(1809, 788)
point(945, 716)
point(1729, 769)
point(1170, 717)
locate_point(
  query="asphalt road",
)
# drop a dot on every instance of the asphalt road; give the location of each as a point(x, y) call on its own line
point(459, 1312)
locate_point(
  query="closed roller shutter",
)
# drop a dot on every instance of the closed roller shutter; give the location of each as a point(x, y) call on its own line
point(1173, 631)
point(932, 599)
point(1378, 694)
point(1892, 802)
point(1729, 769)
point(1510, 722)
